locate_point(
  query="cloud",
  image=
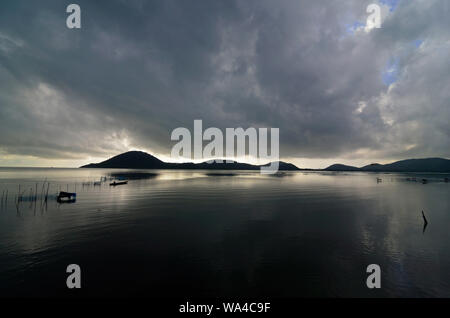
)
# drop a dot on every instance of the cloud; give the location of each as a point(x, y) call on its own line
point(138, 69)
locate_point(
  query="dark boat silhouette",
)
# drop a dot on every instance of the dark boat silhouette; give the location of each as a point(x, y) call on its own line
point(66, 197)
point(118, 183)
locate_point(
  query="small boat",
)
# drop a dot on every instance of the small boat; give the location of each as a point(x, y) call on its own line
point(424, 181)
point(118, 183)
point(66, 197)
point(97, 183)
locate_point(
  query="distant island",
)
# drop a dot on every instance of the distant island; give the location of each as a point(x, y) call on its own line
point(143, 160)
point(409, 165)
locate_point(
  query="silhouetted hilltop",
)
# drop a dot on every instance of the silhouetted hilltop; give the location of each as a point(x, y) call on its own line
point(286, 166)
point(339, 167)
point(408, 165)
point(373, 167)
point(142, 160)
point(131, 159)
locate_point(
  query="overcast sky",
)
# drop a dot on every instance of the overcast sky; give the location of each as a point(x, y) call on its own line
point(337, 90)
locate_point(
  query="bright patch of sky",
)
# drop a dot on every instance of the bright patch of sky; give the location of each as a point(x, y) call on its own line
point(418, 43)
point(352, 28)
point(389, 75)
point(392, 4)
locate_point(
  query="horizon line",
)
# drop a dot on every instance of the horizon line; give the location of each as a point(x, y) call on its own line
point(223, 159)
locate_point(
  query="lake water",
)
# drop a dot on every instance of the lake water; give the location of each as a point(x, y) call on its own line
point(187, 233)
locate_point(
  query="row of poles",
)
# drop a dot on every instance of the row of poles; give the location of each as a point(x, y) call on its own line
point(33, 196)
point(38, 193)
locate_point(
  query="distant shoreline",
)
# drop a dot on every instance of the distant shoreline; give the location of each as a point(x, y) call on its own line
point(252, 170)
point(142, 160)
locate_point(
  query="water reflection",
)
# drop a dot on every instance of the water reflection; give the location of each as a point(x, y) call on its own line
point(192, 233)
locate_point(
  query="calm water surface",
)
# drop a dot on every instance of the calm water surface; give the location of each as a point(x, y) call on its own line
point(187, 233)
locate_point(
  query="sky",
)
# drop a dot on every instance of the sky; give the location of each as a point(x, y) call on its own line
point(339, 92)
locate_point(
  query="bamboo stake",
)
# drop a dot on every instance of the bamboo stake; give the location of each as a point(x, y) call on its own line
point(43, 185)
point(46, 195)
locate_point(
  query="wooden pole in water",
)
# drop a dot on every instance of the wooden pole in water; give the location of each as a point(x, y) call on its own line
point(31, 197)
point(46, 195)
point(424, 218)
point(42, 190)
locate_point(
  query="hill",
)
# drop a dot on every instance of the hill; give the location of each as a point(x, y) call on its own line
point(131, 159)
point(408, 165)
point(143, 160)
point(339, 167)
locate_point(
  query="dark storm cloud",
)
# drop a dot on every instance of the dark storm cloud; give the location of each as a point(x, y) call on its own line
point(138, 69)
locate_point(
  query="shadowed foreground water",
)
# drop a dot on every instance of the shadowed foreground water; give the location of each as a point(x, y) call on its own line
point(187, 233)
